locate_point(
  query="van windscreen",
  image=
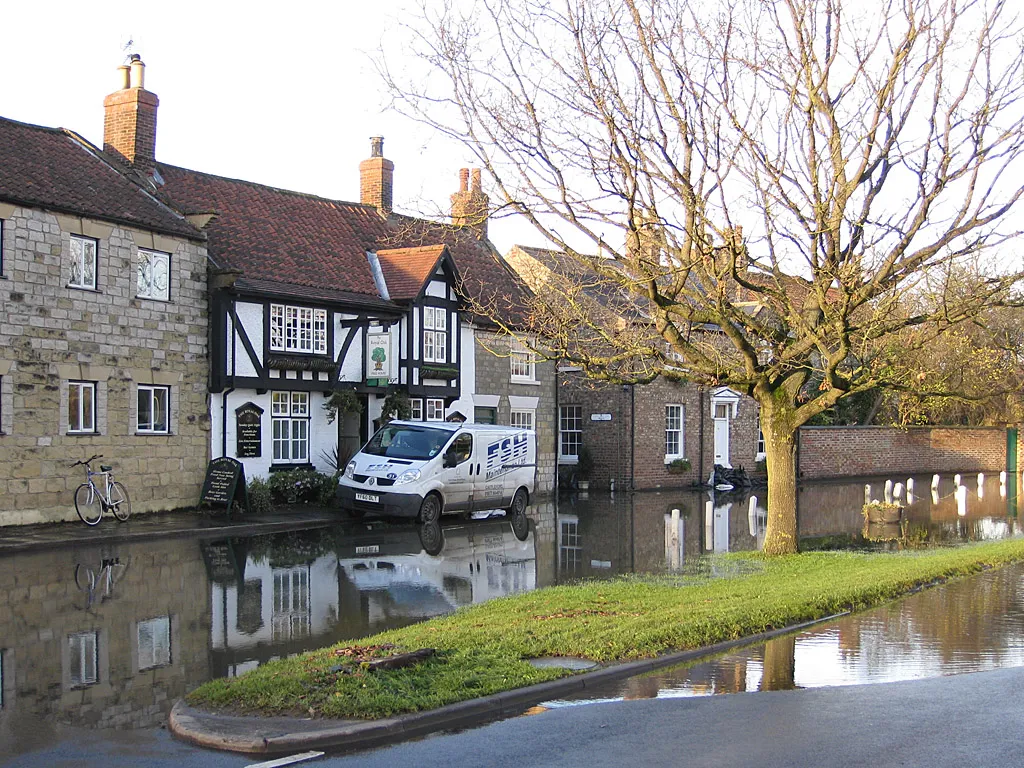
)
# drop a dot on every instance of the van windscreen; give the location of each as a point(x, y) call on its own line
point(402, 441)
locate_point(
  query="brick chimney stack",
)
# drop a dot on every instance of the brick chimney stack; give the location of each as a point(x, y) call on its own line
point(129, 123)
point(469, 204)
point(376, 177)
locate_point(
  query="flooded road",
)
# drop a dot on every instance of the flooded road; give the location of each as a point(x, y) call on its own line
point(108, 637)
point(972, 625)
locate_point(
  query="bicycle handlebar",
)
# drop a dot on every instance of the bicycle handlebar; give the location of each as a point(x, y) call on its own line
point(86, 461)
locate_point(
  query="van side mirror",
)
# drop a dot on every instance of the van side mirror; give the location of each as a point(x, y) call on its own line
point(449, 460)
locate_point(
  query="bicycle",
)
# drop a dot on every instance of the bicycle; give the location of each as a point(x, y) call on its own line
point(111, 572)
point(91, 503)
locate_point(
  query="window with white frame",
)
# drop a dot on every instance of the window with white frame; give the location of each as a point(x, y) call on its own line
point(154, 409)
point(523, 362)
point(83, 262)
point(416, 409)
point(83, 658)
point(81, 406)
point(570, 431)
point(435, 409)
point(435, 335)
point(290, 426)
point(521, 417)
point(760, 440)
point(673, 432)
point(292, 614)
point(298, 329)
point(154, 642)
point(154, 275)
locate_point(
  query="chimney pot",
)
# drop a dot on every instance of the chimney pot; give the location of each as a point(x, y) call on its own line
point(138, 72)
point(476, 180)
point(376, 146)
point(123, 77)
point(463, 179)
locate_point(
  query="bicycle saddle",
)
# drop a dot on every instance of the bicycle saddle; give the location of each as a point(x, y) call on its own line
point(105, 468)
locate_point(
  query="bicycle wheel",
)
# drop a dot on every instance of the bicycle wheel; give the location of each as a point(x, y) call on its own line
point(88, 505)
point(119, 501)
point(85, 578)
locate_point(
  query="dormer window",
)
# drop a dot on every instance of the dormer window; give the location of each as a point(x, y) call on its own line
point(298, 329)
point(435, 335)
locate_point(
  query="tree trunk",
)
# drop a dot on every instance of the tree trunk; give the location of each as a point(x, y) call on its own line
point(780, 456)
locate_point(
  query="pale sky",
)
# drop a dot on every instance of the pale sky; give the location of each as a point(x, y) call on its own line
point(282, 94)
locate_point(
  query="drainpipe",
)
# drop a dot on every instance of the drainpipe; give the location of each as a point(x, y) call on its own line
point(558, 429)
point(632, 438)
point(224, 395)
point(700, 453)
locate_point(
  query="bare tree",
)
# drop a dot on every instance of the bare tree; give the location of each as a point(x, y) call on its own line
point(762, 181)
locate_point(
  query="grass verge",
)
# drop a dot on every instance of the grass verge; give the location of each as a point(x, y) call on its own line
point(483, 649)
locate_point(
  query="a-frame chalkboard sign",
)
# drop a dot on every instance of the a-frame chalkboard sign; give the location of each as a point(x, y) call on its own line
point(225, 484)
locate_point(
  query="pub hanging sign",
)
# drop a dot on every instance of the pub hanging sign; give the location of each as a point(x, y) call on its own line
point(378, 356)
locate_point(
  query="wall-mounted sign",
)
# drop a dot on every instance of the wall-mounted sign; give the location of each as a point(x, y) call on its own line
point(600, 417)
point(249, 431)
point(378, 356)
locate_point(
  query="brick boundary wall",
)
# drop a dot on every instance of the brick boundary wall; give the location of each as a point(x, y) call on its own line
point(861, 451)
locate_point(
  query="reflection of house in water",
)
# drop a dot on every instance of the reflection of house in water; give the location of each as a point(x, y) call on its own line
point(94, 654)
point(651, 532)
point(377, 577)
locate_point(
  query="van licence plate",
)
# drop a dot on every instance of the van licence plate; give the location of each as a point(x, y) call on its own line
point(367, 497)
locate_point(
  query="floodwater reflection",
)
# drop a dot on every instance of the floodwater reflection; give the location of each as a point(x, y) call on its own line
point(606, 535)
point(109, 636)
point(971, 625)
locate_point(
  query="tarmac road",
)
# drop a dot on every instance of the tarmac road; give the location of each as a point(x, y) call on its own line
point(963, 720)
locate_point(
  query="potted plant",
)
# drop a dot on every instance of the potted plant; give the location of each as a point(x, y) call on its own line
point(584, 466)
point(342, 401)
point(678, 466)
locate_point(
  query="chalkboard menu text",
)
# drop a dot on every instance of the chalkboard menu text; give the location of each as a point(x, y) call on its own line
point(225, 484)
point(249, 431)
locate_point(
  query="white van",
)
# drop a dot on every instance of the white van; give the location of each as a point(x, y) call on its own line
point(424, 469)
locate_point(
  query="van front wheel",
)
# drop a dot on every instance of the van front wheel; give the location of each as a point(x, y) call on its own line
point(430, 509)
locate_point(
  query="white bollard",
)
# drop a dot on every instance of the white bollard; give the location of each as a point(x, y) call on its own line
point(981, 479)
point(935, 497)
point(867, 494)
point(887, 493)
point(709, 525)
point(961, 500)
point(956, 481)
point(935, 482)
point(910, 485)
point(752, 516)
point(897, 491)
point(1002, 477)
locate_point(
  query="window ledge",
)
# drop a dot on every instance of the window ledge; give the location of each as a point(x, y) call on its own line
point(531, 382)
point(568, 459)
point(85, 288)
point(288, 467)
point(139, 433)
point(82, 434)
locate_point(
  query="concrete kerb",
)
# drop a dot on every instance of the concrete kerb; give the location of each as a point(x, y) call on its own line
point(271, 736)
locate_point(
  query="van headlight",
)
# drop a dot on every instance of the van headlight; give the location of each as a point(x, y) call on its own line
point(408, 476)
point(350, 469)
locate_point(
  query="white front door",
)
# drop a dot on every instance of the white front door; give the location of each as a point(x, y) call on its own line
point(722, 434)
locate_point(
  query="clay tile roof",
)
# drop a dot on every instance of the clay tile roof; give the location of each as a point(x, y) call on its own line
point(55, 169)
point(492, 288)
point(280, 236)
point(406, 270)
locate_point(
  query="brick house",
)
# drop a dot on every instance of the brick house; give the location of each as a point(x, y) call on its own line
point(103, 333)
point(634, 433)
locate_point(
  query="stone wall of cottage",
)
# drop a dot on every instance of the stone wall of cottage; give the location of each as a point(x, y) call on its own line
point(44, 607)
point(624, 428)
point(51, 334)
point(494, 380)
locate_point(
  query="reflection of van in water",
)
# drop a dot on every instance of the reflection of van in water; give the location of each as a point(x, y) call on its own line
point(424, 469)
